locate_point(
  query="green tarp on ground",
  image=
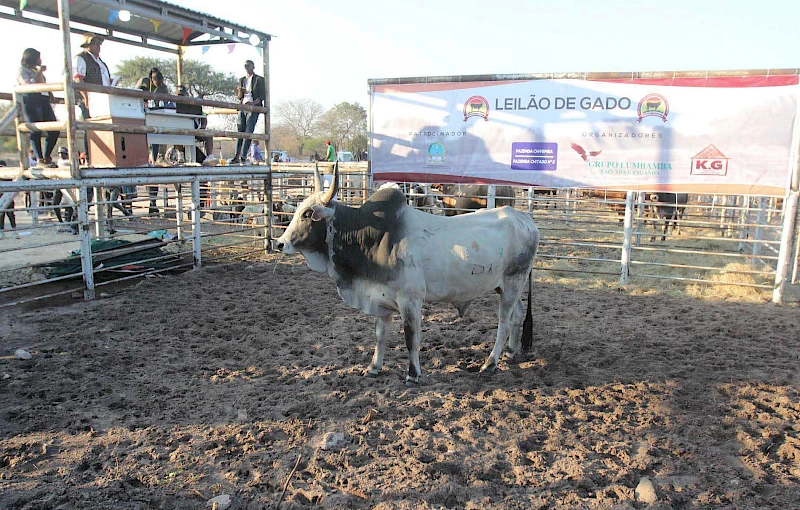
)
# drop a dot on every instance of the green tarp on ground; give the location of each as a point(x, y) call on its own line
point(117, 253)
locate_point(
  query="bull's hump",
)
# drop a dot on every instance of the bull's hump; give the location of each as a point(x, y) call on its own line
point(386, 199)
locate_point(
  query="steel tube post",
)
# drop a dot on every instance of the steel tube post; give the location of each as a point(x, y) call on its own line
point(268, 198)
point(99, 213)
point(796, 250)
point(626, 241)
point(69, 87)
point(20, 119)
point(86, 243)
point(490, 196)
point(181, 51)
point(196, 213)
point(640, 207)
point(531, 198)
point(758, 233)
point(790, 214)
point(790, 219)
point(34, 208)
point(179, 211)
point(268, 209)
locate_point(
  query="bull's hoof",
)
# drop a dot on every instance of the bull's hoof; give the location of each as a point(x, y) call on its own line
point(372, 372)
point(508, 355)
point(412, 382)
point(489, 368)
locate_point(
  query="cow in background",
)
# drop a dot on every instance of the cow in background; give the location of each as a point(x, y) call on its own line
point(420, 196)
point(465, 198)
point(669, 208)
point(617, 199)
point(387, 257)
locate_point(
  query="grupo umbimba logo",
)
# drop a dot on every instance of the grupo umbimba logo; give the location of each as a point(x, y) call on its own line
point(476, 106)
point(653, 105)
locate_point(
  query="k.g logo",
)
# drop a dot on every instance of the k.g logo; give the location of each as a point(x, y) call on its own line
point(710, 161)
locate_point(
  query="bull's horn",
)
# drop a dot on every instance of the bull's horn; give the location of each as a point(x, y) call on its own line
point(326, 199)
point(317, 179)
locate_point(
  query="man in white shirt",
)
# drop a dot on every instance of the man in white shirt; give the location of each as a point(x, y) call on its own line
point(90, 68)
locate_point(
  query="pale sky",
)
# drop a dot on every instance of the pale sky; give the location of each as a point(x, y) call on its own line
point(326, 51)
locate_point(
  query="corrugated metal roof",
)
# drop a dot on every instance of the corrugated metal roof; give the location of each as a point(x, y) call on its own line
point(152, 21)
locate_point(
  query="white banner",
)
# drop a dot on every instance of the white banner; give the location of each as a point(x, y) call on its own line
point(725, 135)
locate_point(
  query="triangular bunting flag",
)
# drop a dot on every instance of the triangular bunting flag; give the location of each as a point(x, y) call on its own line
point(260, 51)
point(113, 15)
point(231, 47)
point(186, 33)
point(22, 4)
point(205, 49)
point(156, 24)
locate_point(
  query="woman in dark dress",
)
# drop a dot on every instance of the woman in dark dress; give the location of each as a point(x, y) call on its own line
point(37, 106)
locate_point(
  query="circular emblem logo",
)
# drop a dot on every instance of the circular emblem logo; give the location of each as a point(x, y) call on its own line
point(436, 153)
point(476, 106)
point(653, 105)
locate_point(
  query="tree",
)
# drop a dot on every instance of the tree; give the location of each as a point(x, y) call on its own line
point(8, 144)
point(300, 118)
point(283, 137)
point(200, 79)
point(346, 126)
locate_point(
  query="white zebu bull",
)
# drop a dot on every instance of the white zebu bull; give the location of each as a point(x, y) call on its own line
point(388, 257)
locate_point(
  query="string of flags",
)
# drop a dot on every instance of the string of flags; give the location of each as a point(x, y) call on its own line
point(24, 3)
point(113, 15)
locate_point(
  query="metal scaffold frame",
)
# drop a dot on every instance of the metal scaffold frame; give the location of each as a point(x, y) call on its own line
point(181, 28)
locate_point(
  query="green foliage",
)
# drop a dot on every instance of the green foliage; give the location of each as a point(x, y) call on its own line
point(346, 126)
point(200, 79)
point(296, 125)
point(8, 144)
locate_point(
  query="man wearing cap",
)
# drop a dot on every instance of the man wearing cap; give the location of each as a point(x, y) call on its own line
point(89, 68)
point(331, 155)
point(251, 90)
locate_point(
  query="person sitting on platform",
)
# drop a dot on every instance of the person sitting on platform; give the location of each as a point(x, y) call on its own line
point(256, 154)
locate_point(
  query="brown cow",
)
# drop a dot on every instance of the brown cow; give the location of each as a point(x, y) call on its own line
point(464, 198)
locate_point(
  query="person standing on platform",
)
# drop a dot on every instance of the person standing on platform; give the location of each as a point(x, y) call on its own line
point(37, 106)
point(90, 68)
point(154, 82)
point(251, 90)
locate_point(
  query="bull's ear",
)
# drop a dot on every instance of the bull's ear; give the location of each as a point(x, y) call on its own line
point(321, 212)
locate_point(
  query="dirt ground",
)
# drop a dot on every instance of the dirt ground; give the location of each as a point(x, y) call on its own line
point(216, 382)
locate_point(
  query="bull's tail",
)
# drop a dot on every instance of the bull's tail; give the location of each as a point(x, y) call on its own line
point(527, 326)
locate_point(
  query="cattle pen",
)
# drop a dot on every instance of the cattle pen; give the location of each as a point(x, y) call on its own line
point(242, 385)
point(158, 209)
point(629, 140)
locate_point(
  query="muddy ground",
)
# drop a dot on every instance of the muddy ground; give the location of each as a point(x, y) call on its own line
point(215, 382)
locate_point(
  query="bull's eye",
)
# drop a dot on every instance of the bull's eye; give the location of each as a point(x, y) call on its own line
point(307, 213)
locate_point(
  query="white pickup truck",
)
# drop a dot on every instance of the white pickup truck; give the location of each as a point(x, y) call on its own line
point(344, 156)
